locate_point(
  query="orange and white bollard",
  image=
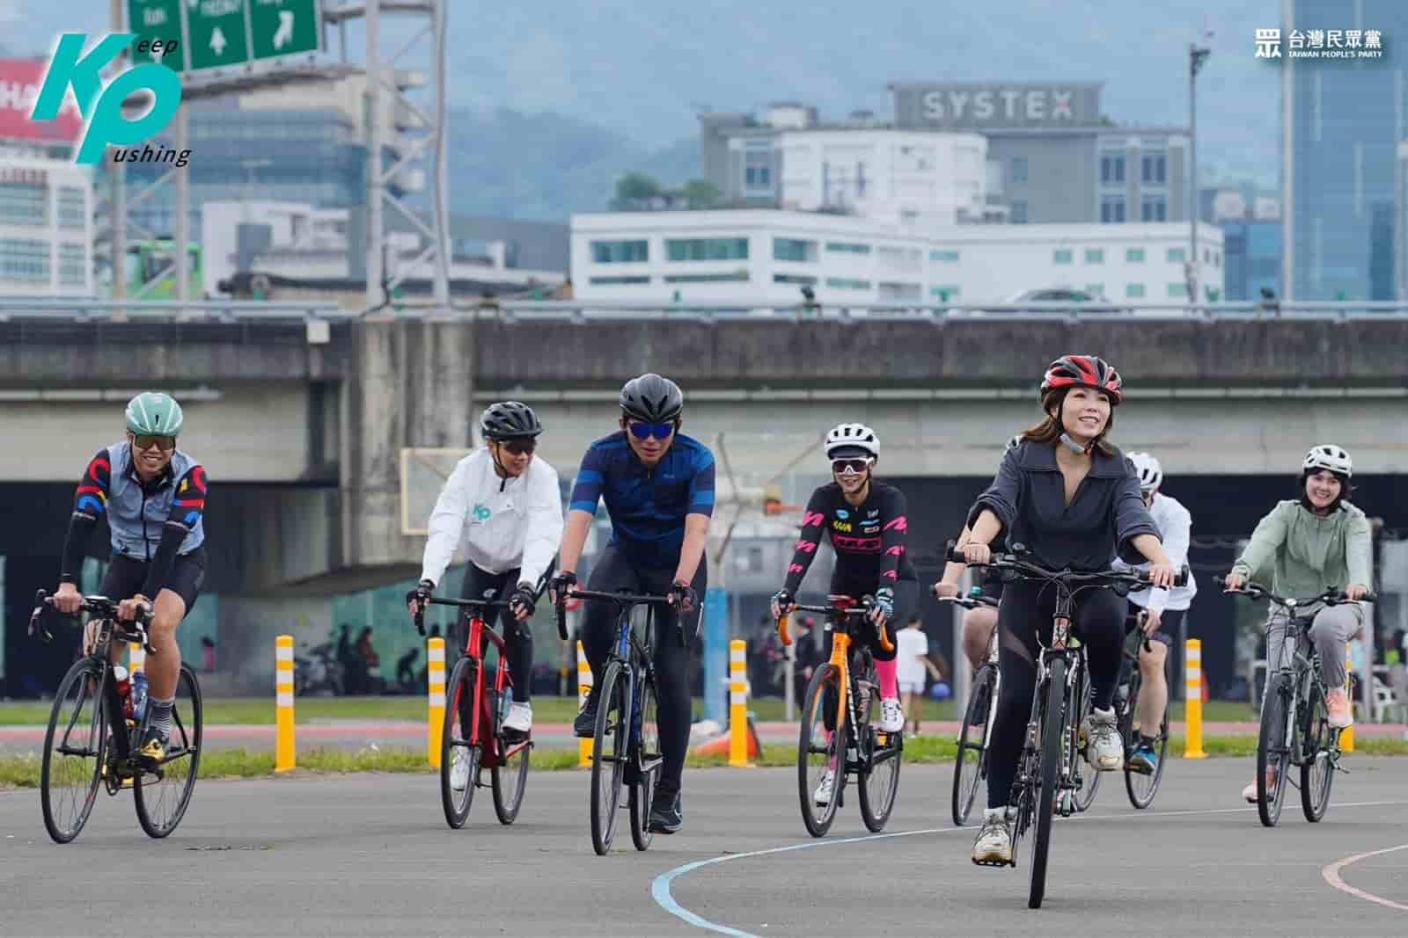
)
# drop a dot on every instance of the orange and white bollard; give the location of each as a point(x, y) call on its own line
point(1347, 734)
point(435, 678)
point(584, 687)
point(1193, 715)
point(285, 759)
point(738, 704)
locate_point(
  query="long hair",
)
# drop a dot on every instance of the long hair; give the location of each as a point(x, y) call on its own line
point(1049, 430)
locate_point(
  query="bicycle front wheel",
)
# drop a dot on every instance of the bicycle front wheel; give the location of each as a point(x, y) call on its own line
point(645, 764)
point(460, 755)
point(1273, 749)
point(163, 792)
point(75, 750)
point(970, 764)
point(821, 765)
point(1053, 722)
point(609, 754)
point(1317, 767)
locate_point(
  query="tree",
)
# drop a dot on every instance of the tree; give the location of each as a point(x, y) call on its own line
point(634, 191)
point(701, 194)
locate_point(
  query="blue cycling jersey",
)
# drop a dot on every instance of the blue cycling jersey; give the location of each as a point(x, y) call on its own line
point(647, 506)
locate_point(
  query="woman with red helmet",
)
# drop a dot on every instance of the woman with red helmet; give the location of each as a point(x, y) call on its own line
point(1073, 500)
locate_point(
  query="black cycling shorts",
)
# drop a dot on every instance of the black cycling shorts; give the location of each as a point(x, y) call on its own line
point(992, 586)
point(126, 576)
point(1168, 627)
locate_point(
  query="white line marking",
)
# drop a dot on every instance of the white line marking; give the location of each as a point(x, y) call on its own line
point(1332, 876)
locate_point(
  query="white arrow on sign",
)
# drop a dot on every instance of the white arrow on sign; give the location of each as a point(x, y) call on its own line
point(217, 42)
point(284, 34)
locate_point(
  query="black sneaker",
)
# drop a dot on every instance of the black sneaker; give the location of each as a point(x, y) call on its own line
point(585, 723)
point(666, 816)
point(153, 746)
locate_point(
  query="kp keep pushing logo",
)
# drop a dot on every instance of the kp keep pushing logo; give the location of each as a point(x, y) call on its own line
point(101, 107)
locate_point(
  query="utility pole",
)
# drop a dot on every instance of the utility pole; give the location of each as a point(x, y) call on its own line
point(1196, 57)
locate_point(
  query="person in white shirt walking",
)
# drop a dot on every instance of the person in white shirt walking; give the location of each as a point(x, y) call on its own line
point(912, 657)
point(1159, 611)
point(502, 507)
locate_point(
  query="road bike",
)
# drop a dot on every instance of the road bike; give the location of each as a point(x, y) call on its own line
point(970, 764)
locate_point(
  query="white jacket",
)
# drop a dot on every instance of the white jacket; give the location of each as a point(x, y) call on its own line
point(1175, 526)
point(498, 524)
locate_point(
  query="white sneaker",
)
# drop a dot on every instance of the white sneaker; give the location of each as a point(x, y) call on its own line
point(994, 844)
point(891, 716)
point(1104, 750)
point(822, 795)
point(520, 717)
point(459, 770)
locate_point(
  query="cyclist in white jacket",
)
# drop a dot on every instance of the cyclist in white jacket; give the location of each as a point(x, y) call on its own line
point(1162, 609)
point(502, 507)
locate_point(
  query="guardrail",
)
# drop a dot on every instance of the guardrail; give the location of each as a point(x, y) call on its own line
point(49, 308)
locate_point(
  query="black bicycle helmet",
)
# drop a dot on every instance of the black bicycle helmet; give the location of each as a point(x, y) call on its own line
point(508, 420)
point(652, 399)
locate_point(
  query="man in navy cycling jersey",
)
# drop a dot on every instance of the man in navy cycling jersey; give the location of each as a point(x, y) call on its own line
point(658, 485)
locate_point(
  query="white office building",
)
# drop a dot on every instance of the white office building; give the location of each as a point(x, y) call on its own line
point(754, 257)
point(46, 226)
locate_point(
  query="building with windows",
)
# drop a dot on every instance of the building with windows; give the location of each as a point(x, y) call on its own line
point(1252, 248)
point(1050, 155)
point(749, 257)
point(46, 227)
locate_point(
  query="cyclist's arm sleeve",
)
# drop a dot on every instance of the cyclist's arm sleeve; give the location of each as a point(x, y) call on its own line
point(590, 481)
point(187, 508)
point(544, 526)
point(1003, 496)
point(1131, 517)
point(446, 524)
point(894, 537)
point(1359, 552)
point(813, 520)
point(1266, 540)
point(1176, 540)
point(90, 503)
point(701, 487)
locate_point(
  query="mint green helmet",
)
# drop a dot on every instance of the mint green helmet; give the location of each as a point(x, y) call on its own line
point(154, 413)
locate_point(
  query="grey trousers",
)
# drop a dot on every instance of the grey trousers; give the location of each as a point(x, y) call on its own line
point(1329, 630)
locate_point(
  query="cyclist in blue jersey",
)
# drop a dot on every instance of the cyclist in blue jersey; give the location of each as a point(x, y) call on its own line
point(658, 485)
point(153, 496)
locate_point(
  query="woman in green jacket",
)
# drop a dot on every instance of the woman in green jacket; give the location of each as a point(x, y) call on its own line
point(1307, 546)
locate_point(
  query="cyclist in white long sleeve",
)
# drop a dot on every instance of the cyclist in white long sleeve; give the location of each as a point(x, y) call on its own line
point(502, 506)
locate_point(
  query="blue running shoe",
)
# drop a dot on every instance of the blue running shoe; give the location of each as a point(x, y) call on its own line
point(1144, 759)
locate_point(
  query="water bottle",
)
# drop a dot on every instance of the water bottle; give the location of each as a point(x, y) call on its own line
point(139, 695)
point(124, 689)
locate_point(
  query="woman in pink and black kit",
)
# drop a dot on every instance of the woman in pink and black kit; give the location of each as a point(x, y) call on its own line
point(866, 523)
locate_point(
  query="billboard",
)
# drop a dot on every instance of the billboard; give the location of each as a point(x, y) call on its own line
point(19, 86)
point(994, 105)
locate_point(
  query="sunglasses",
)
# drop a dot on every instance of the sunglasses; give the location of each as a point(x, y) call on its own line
point(164, 443)
point(644, 431)
point(857, 465)
point(519, 447)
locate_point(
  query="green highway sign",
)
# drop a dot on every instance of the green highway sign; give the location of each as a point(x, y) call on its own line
point(157, 24)
point(215, 33)
point(284, 27)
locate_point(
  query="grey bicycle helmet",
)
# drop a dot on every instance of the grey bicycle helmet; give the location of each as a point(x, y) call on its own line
point(652, 399)
point(508, 420)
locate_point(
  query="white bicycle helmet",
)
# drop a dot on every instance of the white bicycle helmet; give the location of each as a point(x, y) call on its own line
point(1328, 456)
point(856, 436)
point(1151, 474)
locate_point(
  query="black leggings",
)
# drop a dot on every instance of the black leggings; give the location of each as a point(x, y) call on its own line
point(518, 637)
point(1026, 611)
point(613, 573)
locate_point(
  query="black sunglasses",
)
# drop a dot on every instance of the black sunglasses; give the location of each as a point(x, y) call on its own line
point(519, 447)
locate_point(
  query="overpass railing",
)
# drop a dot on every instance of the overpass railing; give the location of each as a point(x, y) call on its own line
point(227, 311)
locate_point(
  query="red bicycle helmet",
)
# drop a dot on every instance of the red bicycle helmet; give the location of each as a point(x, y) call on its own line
point(1083, 371)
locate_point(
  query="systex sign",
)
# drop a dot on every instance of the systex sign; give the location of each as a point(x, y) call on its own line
point(989, 106)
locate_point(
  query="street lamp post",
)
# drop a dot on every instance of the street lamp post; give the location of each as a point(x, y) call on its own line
point(1196, 56)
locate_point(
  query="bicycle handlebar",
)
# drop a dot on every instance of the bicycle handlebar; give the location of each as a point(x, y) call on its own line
point(1331, 597)
point(861, 611)
point(970, 601)
point(100, 606)
point(621, 599)
point(1018, 563)
point(418, 617)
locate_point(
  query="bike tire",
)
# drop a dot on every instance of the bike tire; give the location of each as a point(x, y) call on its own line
point(162, 797)
point(1142, 788)
point(646, 765)
point(609, 754)
point(509, 779)
point(970, 765)
point(455, 743)
point(1052, 725)
point(1273, 750)
point(84, 683)
point(879, 779)
point(1317, 767)
point(825, 683)
point(1083, 796)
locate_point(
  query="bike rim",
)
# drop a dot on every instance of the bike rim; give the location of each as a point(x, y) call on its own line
point(648, 765)
point(819, 750)
point(162, 794)
point(458, 758)
point(609, 758)
point(510, 780)
point(74, 751)
point(970, 759)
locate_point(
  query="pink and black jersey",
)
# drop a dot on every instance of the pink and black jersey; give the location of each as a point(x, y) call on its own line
point(869, 540)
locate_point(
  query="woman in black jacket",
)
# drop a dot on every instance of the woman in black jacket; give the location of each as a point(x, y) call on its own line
point(1073, 500)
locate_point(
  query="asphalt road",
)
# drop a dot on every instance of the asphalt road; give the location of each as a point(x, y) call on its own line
point(371, 855)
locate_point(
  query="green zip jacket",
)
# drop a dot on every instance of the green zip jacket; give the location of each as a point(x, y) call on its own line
point(1306, 554)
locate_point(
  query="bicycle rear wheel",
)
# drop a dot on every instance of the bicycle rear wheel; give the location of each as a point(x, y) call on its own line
point(645, 764)
point(880, 780)
point(1053, 722)
point(609, 755)
point(1273, 750)
point(820, 750)
point(460, 758)
point(1081, 768)
point(163, 793)
point(75, 750)
point(510, 778)
point(1142, 787)
point(1317, 767)
point(970, 765)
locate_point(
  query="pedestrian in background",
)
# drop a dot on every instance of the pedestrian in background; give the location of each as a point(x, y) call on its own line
point(912, 653)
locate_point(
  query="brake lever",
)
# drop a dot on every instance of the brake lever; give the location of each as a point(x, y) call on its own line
point(37, 617)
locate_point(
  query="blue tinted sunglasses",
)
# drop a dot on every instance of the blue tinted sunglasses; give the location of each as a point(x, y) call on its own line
point(644, 431)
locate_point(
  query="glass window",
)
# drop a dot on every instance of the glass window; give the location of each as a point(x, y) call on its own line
point(618, 281)
point(1111, 209)
point(706, 249)
point(735, 276)
point(1111, 169)
point(847, 283)
point(1019, 169)
point(944, 293)
point(23, 204)
point(1134, 255)
point(71, 261)
point(1153, 208)
point(757, 170)
point(901, 259)
point(792, 249)
point(72, 208)
point(1154, 168)
point(1019, 212)
point(1178, 289)
point(1095, 255)
point(1061, 256)
point(900, 291)
point(801, 279)
point(843, 247)
point(1177, 255)
point(1134, 290)
point(620, 252)
point(946, 256)
point(24, 259)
